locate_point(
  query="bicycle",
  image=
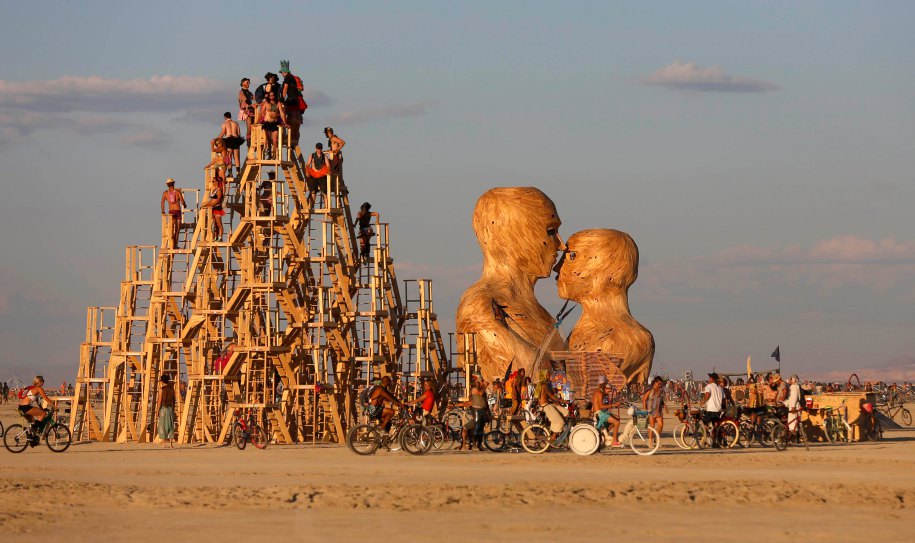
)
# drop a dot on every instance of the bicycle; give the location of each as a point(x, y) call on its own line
point(782, 436)
point(685, 433)
point(55, 435)
point(721, 433)
point(247, 429)
point(366, 439)
point(835, 426)
point(892, 408)
point(641, 438)
point(536, 438)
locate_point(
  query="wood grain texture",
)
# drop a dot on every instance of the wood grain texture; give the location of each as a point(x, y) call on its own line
point(605, 264)
point(511, 225)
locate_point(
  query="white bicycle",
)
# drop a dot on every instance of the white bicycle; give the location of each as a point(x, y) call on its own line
point(640, 437)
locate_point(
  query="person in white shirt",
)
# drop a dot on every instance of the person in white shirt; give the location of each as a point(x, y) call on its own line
point(793, 403)
point(713, 397)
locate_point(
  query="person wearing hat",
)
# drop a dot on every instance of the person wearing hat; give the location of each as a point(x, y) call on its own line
point(175, 199)
point(290, 95)
point(165, 407)
point(713, 397)
point(780, 387)
point(602, 401)
point(269, 85)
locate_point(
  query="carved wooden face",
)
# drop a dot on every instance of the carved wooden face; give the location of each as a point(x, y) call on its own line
point(518, 228)
point(596, 260)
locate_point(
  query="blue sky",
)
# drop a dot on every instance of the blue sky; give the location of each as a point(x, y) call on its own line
point(759, 153)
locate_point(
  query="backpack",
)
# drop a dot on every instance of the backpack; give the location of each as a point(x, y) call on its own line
point(298, 83)
point(803, 398)
point(366, 395)
point(25, 391)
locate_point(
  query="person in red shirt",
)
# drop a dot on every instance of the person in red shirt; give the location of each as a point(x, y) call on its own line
point(427, 399)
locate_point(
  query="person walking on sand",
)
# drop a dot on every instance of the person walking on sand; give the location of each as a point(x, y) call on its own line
point(653, 402)
point(165, 407)
point(175, 199)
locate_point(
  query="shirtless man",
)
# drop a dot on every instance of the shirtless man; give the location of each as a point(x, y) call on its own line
point(175, 199)
point(602, 401)
point(335, 146)
point(231, 135)
point(377, 409)
point(551, 405)
point(272, 114)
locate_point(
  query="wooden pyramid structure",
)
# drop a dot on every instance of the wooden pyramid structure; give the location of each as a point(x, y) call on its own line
point(309, 324)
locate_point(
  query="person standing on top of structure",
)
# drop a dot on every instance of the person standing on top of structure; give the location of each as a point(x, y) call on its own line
point(176, 203)
point(245, 101)
point(230, 135)
point(316, 170)
point(335, 152)
point(271, 114)
point(364, 221)
point(270, 85)
point(214, 202)
point(292, 98)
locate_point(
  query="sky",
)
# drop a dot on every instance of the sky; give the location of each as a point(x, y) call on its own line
point(759, 153)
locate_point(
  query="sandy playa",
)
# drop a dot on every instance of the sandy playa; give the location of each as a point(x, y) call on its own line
point(144, 493)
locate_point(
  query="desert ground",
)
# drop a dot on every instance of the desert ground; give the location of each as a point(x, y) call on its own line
point(121, 492)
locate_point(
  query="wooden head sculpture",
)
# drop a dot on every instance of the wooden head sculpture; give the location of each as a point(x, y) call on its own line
point(597, 270)
point(518, 232)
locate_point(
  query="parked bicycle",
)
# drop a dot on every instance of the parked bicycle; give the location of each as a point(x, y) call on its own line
point(55, 435)
point(835, 425)
point(782, 435)
point(723, 433)
point(247, 429)
point(892, 408)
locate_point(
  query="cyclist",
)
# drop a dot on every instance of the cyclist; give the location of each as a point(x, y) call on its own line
point(713, 397)
point(602, 401)
point(30, 401)
point(551, 405)
point(427, 399)
point(377, 410)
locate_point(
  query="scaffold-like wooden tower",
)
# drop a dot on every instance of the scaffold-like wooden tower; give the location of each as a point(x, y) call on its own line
point(309, 323)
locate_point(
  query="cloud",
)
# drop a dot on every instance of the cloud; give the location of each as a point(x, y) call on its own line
point(98, 94)
point(691, 77)
point(146, 138)
point(844, 261)
point(386, 112)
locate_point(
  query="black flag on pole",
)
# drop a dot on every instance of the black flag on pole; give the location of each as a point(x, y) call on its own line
point(776, 354)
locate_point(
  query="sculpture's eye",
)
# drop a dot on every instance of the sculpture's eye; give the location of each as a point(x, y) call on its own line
point(552, 232)
point(571, 255)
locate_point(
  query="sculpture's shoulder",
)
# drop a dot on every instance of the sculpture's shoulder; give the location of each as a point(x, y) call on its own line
point(475, 308)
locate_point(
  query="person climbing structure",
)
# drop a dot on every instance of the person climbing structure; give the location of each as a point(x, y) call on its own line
point(364, 222)
point(176, 204)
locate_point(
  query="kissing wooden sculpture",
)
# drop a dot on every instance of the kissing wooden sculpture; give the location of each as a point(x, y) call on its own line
point(518, 232)
point(597, 270)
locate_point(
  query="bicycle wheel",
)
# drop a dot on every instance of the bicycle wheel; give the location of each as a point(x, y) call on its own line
point(701, 437)
point(259, 437)
point(440, 437)
point(495, 440)
point(57, 438)
point(363, 439)
point(584, 439)
point(453, 421)
point(16, 439)
point(728, 434)
point(906, 417)
point(745, 438)
point(416, 439)
point(678, 430)
point(240, 436)
point(535, 439)
point(645, 442)
point(779, 437)
point(874, 431)
point(689, 438)
point(764, 434)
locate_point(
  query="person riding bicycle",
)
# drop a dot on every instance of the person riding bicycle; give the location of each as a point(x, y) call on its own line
point(603, 399)
point(30, 402)
point(427, 399)
point(551, 404)
point(713, 397)
point(376, 408)
point(780, 388)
